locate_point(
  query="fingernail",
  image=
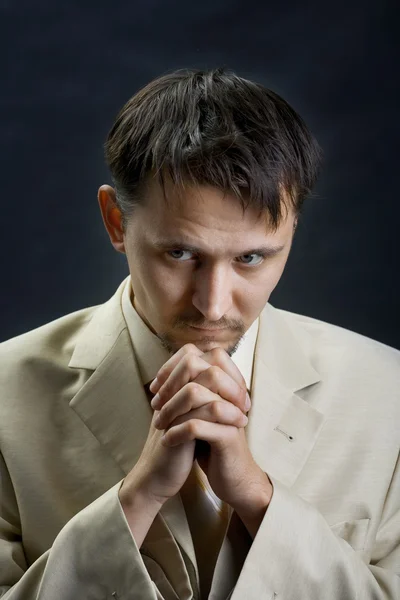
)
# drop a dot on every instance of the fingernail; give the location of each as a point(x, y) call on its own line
point(155, 402)
point(153, 385)
point(248, 402)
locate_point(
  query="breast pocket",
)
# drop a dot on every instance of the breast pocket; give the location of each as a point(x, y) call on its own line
point(353, 532)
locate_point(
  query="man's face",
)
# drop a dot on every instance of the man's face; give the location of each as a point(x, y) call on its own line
point(201, 270)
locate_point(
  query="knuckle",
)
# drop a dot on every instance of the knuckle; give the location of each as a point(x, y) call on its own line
point(218, 354)
point(216, 410)
point(240, 417)
point(188, 361)
point(191, 429)
point(214, 372)
point(193, 390)
point(190, 349)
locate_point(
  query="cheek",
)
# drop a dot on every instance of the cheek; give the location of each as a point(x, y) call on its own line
point(262, 286)
point(164, 287)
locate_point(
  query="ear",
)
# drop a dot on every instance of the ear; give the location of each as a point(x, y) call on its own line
point(112, 217)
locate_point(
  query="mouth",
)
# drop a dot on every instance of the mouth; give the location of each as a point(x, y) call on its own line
point(206, 330)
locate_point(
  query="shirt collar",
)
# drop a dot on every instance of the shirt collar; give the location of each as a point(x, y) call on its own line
point(151, 355)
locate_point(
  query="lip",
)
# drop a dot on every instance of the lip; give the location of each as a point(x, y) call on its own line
point(203, 329)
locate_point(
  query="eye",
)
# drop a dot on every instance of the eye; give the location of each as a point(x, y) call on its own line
point(175, 254)
point(248, 259)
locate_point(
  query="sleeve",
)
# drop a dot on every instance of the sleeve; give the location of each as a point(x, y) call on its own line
point(94, 556)
point(296, 555)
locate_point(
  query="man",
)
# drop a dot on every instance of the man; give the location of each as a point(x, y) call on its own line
point(186, 439)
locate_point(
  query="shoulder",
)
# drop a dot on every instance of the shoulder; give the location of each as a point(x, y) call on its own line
point(322, 338)
point(340, 352)
point(55, 336)
point(40, 356)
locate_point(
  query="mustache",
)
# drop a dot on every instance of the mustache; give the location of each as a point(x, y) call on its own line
point(232, 324)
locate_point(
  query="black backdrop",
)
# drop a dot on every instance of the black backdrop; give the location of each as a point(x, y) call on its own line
point(66, 69)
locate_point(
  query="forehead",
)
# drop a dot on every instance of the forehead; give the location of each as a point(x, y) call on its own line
point(205, 209)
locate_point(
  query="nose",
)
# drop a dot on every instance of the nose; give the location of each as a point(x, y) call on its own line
point(213, 292)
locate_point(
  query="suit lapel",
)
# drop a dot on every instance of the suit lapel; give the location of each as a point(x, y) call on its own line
point(282, 428)
point(114, 406)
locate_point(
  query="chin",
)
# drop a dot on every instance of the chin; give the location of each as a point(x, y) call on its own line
point(230, 348)
point(205, 344)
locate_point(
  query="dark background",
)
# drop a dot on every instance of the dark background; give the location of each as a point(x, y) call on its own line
point(67, 68)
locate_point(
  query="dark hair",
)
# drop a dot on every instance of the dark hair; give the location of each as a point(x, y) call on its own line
point(213, 128)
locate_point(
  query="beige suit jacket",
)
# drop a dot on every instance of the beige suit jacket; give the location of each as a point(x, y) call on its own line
point(324, 425)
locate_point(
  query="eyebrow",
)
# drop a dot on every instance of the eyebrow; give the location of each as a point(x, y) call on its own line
point(267, 251)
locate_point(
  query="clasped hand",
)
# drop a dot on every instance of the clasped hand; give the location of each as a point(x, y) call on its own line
point(203, 396)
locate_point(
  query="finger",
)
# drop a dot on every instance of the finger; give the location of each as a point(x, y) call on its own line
point(193, 369)
point(217, 435)
point(168, 367)
point(214, 412)
point(219, 382)
point(217, 356)
point(189, 367)
point(190, 397)
point(199, 404)
point(220, 358)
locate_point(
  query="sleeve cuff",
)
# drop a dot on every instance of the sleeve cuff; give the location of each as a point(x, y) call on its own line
point(95, 556)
